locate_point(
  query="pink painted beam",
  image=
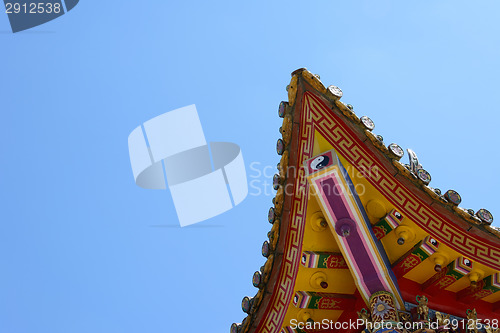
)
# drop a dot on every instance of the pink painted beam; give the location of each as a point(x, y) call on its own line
point(346, 216)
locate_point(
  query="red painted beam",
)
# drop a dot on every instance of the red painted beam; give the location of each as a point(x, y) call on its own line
point(496, 307)
point(446, 301)
point(351, 316)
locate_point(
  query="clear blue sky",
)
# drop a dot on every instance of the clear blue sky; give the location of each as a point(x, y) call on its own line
point(83, 249)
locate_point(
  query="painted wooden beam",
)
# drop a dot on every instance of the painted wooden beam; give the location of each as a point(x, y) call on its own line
point(487, 286)
point(329, 260)
point(323, 301)
point(415, 256)
point(332, 187)
point(453, 272)
point(387, 224)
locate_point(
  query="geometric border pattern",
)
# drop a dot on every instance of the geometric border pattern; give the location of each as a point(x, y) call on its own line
point(284, 287)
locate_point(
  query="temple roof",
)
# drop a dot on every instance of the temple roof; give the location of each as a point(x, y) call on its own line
point(403, 188)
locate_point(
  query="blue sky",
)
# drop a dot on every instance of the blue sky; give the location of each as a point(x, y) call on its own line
point(83, 249)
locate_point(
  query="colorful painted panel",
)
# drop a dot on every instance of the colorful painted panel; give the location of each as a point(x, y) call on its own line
point(387, 224)
point(323, 301)
point(448, 275)
point(329, 260)
point(415, 256)
point(347, 219)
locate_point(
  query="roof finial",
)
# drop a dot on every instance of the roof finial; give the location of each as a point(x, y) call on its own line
point(416, 168)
